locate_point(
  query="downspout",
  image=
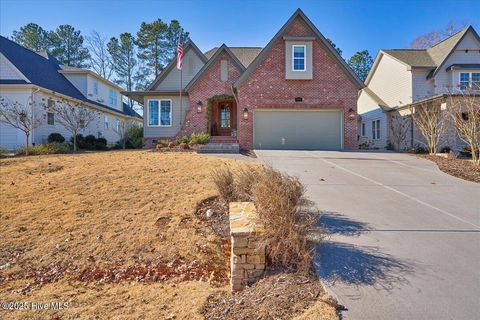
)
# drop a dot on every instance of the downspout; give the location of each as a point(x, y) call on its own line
point(238, 109)
point(33, 114)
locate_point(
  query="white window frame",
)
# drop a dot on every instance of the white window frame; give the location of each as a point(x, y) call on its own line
point(470, 79)
point(105, 121)
point(363, 129)
point(113, 97)
point(376, 128)
point(159, 113)
point(53, 118)
point(95, 88)
point(304, 57)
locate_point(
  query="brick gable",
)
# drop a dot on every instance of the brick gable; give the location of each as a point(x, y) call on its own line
point(267, 88)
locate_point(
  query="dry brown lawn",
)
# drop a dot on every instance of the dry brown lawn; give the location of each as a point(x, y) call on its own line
point(461, 168)
point(112, 234)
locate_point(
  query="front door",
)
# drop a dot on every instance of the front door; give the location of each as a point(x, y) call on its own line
point(224, 119)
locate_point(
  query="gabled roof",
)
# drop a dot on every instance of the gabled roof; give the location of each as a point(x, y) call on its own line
point(245, 55)
point(376, 98)
point(43, 70)
point(223, 48)
point(333, 53)
point(173, 63)
point(418, 58)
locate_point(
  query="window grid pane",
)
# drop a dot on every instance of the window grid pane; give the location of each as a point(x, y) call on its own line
point(298, 58)
point(153, 113)
point(165, 109)
point(476, 81)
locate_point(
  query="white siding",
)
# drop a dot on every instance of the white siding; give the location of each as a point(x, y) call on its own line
point(79, 81)
point(367, 118)
point(421, 87)
point(448, 80)
point(103, 96)
point(8, 71)
point(191, 65)
point(392, 82)
point(366, 103)
point(11, 138)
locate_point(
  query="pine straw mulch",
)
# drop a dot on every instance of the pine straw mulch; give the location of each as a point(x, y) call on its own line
point(460, 168)
point(280, 296)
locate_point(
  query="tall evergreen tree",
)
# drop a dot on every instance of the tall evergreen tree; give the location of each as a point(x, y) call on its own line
point(335, 46)
point(174, 32)
point(123, 53)
point(32, 37)
point(361, 63)
point(152, 45)
point(68, 47)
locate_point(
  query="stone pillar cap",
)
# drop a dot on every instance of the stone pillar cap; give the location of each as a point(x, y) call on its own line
point(244, 219)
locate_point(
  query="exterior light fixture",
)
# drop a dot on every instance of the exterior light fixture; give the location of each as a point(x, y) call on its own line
point(298, 99)
point(245, 114)
point(351, 114)
point(199, 106)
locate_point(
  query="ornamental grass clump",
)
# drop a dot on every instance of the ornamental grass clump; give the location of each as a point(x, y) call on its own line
point(280, 203)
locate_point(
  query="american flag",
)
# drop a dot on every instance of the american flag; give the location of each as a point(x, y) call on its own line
point(179, 53)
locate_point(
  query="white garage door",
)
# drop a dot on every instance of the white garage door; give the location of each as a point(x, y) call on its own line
point(298, 130)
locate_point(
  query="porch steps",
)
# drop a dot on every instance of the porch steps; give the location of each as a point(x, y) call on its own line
point(219, 148)
point(223, 139)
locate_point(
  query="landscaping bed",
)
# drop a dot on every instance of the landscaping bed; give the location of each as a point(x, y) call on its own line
point(460, 168)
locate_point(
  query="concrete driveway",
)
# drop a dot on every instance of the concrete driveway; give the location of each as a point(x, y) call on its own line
point(405, 237)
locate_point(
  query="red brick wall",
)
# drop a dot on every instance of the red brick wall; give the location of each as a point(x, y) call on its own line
point(266, 87)
point(208, 85)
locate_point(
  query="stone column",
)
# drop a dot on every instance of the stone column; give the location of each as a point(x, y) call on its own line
point(247, 256)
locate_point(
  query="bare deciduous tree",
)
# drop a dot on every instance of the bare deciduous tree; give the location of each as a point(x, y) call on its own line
point(73, 117)
point(464, 110)
point(122, 130)
point(100, 59)
point(399, 127)
point(431, 38)
point(19, 116)
point(430, 120)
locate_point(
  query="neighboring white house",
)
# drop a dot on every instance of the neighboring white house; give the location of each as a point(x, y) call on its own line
point(27, 76)
point(401, 77)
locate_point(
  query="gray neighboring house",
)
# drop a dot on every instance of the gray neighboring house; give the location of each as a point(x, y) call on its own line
point(401, 78)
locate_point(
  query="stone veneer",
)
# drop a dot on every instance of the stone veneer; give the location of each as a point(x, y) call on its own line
point(247, 260)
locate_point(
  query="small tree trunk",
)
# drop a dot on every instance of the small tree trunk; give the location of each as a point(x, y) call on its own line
point(124, 143)
point(27, 134)
point(75, 142)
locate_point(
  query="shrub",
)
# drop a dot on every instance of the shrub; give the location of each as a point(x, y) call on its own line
point(101, 144)
point(182, 139)
point(80, 141)
point(90, 140)
point(159, 147)
point(446, 149)
point(41, 149)
point(199, 138)
point(55, 137)
point(183, 146)
point(164, 142)
point(419, 149)
point(171, 145)
point(390, 146)
point(281, 206)
point(134, 137)
point(223, 180)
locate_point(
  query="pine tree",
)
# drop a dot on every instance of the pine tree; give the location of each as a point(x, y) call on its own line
point(123, 53)
point(361, 63)
point(68, 47)
point(32, 37)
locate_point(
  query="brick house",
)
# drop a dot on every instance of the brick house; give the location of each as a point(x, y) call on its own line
point(295, 93)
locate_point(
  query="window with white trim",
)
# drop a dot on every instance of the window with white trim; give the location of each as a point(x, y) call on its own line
point(469, 80)
point(95, 88)
point(106, 122)
point(51, 112)
point(117, 124)
point(363, 129)
point(298, 58)
point(160, 113)
point(112, 98)
point(376, 129)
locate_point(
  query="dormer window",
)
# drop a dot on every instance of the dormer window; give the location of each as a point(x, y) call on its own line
point(112, 98)
point(95, 88)
point(298, 58)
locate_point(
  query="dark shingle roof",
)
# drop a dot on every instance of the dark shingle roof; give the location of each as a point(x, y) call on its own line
point(245, 55)
point(413, 57)
point(43, 70)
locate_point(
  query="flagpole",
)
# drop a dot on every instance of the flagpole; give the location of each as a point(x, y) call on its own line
point(181, 109)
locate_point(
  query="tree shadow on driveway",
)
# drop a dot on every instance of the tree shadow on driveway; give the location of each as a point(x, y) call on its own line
point(335, 223)
point(359, 265)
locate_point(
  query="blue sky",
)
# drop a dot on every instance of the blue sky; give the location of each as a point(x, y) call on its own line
point(352, 25)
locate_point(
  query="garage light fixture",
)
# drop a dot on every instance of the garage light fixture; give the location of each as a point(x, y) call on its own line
point(199, 106)
point(245, 114)
point(351, 114)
